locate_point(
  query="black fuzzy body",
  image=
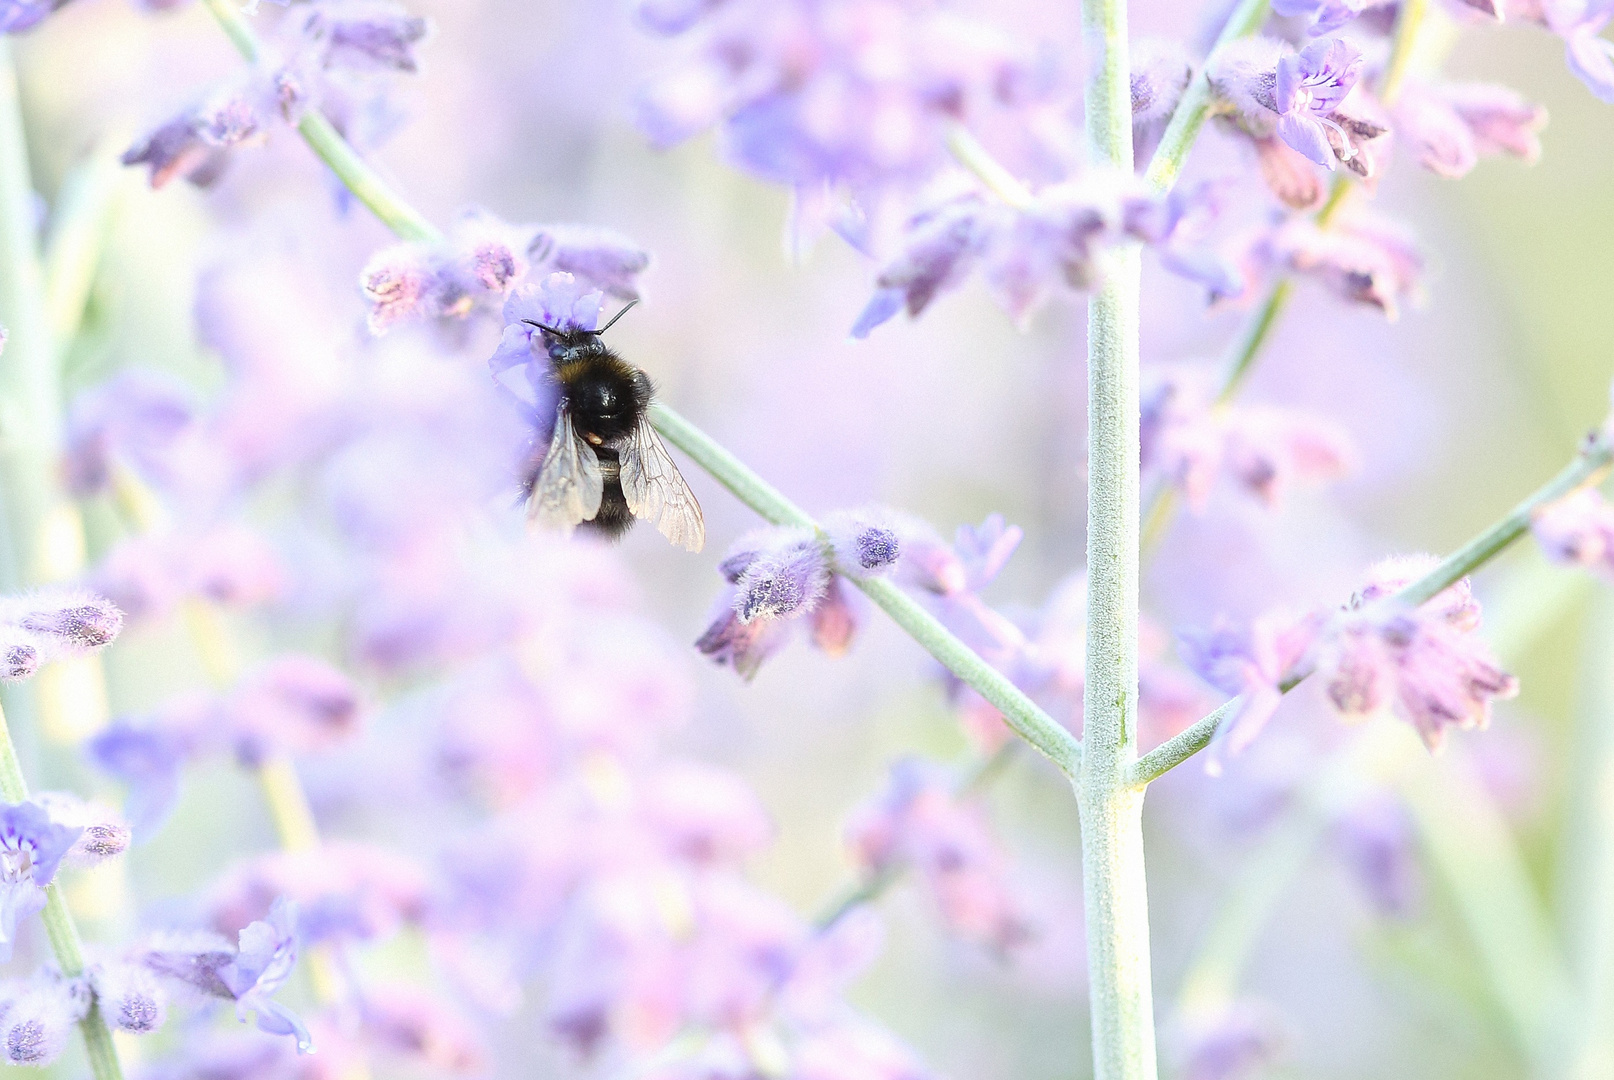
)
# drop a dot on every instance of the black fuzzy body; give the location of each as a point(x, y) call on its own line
point(605, 396)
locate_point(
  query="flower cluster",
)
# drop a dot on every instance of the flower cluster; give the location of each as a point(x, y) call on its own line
point(921, 822)
point(779, 575)
point(1426, 664)
point(330, 55)
point(842, 94)
point(1191, 441)
point(1025, 253)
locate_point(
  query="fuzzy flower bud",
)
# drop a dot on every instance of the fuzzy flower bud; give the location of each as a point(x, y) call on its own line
point(786, 578)
point(105, 835)
point(863, 542)
point(39, 1019)
point(19, 654)
point(130, 997)
point(62, 622)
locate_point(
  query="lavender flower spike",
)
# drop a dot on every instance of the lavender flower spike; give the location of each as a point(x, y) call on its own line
point(31, 848)
point(63, 622)
point(1310, 85)
point(786, 580)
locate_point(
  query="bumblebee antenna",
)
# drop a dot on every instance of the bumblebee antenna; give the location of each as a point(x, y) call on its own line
point(550, 329)
point(617, 316)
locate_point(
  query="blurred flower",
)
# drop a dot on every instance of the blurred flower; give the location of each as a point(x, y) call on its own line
point(363, 33)
point(479, 263)
point(1238, 1042)
point(294, 704)
point(1257, 663)
point(774, 575)
point(246, 974)
point(1326, 15)
point(229, 564)
point(843, 93)
point(149, 753)
point(1578, 529)
point(1378, 844)
point(1191, 440)
point(19, 15)
point(418, 1026)
point(31, 847)
point(195, 144)
point(1426, 663)
point(338, 890)
point(1451, 125)
point(1360, 258)
point(139, 417)
point(603, 259)
point(1026, 253)
point(920, 822)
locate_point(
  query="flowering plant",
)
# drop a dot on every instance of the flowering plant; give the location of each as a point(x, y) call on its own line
point(267, 437)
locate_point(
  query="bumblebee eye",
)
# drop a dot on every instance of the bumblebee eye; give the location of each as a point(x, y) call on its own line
point(595, 347)
point(557, 351)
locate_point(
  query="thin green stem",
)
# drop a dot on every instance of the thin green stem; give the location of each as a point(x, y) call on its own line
point(1587, 467)
point(969, 152)
point(1194, 106)
point(358, 177)
point(59, 926)
point(1021, 714)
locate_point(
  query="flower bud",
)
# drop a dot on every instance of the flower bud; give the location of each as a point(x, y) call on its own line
point(104, 833)
point(785, 580)
point(862, 541)
point(40, 1020)
point(64, 622)
point(130, 997)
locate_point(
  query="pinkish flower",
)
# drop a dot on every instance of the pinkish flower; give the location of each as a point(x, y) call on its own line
point(919, 822)
point(1257, 662)
point(1579, 530)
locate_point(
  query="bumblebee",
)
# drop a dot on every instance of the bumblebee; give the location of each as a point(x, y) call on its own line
point(606, 465)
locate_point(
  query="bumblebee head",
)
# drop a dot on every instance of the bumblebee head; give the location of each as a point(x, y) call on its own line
point(569, 344)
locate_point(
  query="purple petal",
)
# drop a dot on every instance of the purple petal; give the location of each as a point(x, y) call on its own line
point(1307, 136)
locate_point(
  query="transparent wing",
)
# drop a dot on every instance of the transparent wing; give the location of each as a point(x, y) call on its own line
point(656, 491)
point(569, 486)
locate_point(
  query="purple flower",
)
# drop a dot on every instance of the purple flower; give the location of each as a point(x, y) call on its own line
point(1579, 530)
point(940, 249)
point(561, 300)
point(1309, 85)
point(339, 890)
point(919, 822)
point(295, 704)
point(415, 1025)
point(476, 266)
point(246, 974)
point(366, 34)
point(194, 144)
point(786, 576)
point(149, 756)
point(1326, 15)
point(1361, 258)
point(104, 836)
point(601, 258)
point(31, 847)
point(1256, 662)
point(63, 622)
point(19, 15)
point(1451, 126)
point(1425, 663)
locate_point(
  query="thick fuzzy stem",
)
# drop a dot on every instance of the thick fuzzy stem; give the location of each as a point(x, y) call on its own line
point(1119, 989)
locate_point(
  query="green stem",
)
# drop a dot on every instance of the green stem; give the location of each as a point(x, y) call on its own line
point(969, 152)
point(59, 926)
point(1022, 714)
point(1194, 107)
point(1590, 464)
point(396, 214)
point(1120, 992)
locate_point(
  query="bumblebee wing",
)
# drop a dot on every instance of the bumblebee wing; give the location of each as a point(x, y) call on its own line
point(569, 485)
point(656, 490)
